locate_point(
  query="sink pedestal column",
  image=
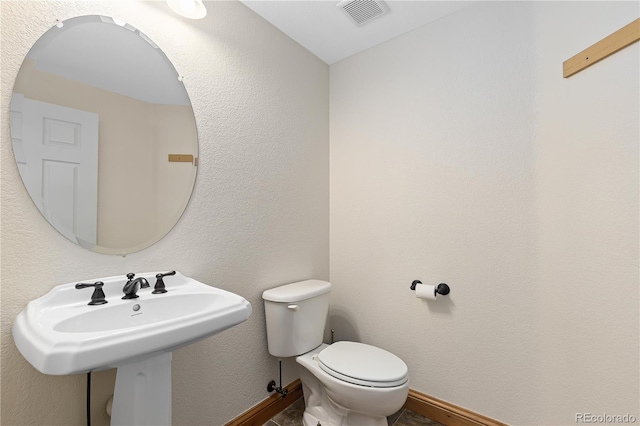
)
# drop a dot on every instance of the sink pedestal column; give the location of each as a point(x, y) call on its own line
point(142, 396)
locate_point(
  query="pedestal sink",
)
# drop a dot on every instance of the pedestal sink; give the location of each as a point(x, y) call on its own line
point(59, 333)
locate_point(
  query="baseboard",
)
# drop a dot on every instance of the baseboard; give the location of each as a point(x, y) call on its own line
point(261, 413)
point(446, 413)
point(436, 409)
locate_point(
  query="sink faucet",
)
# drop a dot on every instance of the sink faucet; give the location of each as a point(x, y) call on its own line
point(133, 285)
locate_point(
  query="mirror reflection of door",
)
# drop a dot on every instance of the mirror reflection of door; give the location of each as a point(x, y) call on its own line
point(62, 167)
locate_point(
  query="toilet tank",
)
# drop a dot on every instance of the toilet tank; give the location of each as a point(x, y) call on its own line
point(296, 314)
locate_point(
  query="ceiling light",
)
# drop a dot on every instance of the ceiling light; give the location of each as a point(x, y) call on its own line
point(193, 9)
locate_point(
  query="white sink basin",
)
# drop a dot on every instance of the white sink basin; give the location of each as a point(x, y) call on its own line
point(59, 333)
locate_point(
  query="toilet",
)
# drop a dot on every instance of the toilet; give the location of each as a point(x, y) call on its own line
point(345, 383)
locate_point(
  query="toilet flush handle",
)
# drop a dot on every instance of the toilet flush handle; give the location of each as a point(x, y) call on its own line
point(293, 307)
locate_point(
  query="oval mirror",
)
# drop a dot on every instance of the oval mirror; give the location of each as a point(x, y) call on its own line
point(104, 134)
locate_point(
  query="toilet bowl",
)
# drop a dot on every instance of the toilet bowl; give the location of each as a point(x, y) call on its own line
point(335, 401)
point(344, 384)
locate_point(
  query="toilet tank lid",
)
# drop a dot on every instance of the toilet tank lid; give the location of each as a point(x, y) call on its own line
point(298, 291)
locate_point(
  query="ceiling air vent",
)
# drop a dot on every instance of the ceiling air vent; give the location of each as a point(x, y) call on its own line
point(363, 11)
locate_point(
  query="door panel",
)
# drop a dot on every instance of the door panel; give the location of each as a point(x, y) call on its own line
point(60, 150)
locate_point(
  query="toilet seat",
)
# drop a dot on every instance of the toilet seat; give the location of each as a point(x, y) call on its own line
point(363, 365)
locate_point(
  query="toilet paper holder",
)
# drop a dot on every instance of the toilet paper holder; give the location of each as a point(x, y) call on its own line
point(441, 288)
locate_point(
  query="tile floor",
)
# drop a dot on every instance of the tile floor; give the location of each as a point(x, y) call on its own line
point(292, 416)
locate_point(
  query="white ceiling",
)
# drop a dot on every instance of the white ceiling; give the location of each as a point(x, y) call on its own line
point(326, 31)
point(97, 51)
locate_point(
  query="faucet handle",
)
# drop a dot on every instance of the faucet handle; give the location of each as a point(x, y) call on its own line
point(130, 276)
point(159, 287)
point(97, 298)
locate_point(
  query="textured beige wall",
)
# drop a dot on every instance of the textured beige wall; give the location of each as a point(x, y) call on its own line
point(258, 216)
point(459, 154)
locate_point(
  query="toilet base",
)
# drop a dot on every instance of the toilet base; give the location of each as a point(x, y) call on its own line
point(311, 420)
point(322, 406)
point(353, 419)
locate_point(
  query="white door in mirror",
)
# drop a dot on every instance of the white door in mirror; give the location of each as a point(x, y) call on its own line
point(63, 168)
